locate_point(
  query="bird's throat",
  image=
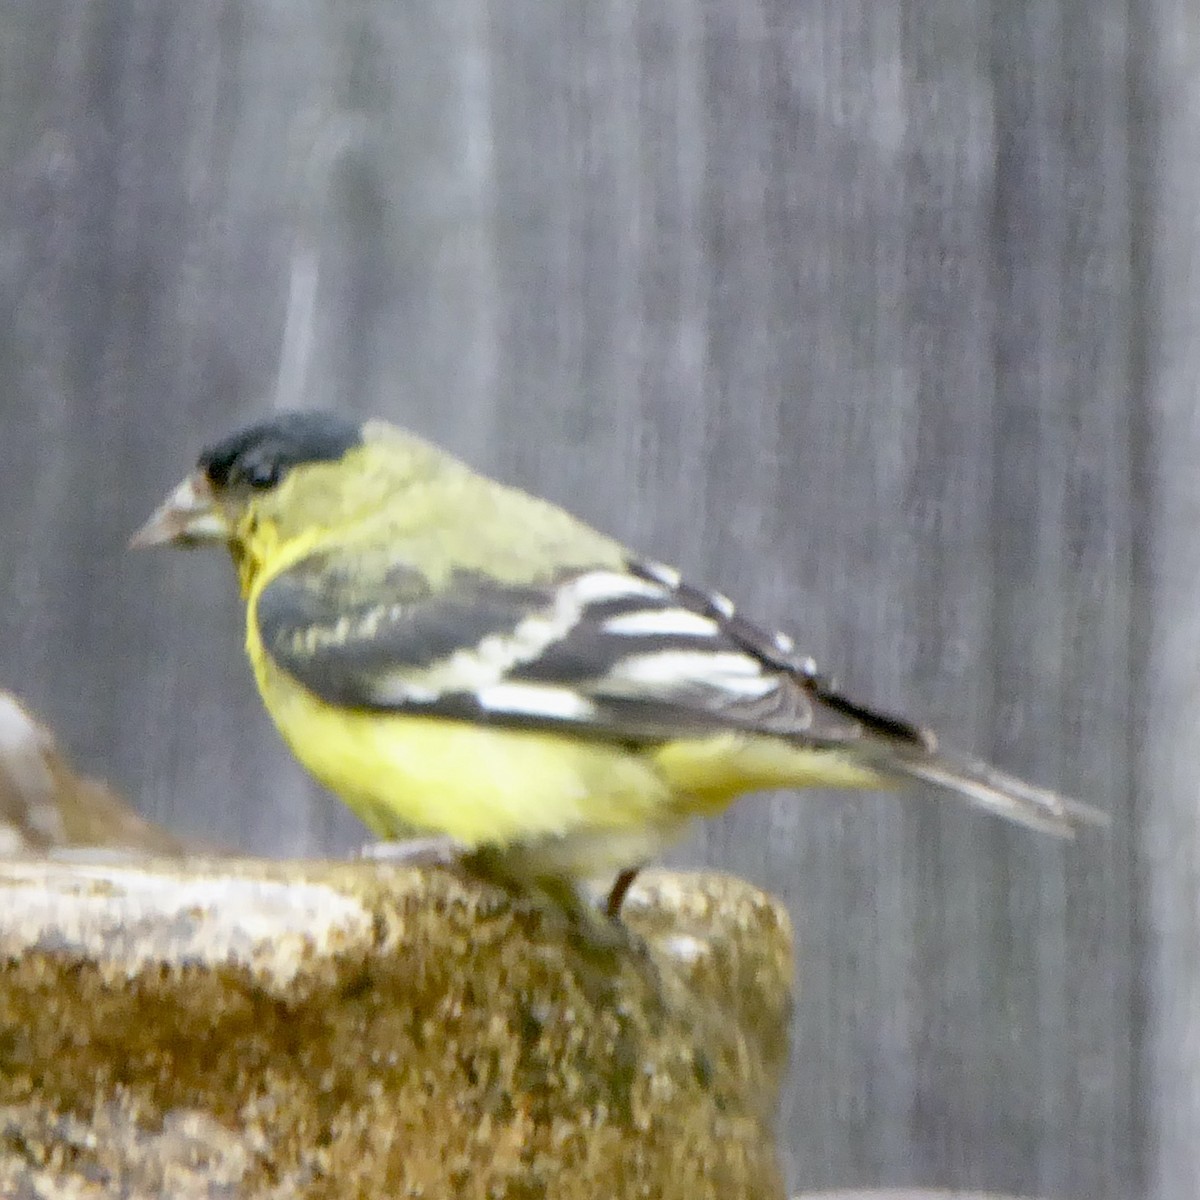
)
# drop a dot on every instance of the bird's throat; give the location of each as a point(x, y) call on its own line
point(252, 547)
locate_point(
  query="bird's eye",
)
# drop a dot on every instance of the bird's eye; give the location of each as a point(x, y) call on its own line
point(263, 475)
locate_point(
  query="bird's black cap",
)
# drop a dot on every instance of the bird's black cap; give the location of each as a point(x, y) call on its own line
point(261, 454)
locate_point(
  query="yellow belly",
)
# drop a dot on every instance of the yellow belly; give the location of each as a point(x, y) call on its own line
point(481, 785)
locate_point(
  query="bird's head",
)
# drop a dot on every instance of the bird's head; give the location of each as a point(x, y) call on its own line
point(284, 480)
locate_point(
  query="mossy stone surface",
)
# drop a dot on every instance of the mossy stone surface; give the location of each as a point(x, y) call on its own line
point(252, 1029)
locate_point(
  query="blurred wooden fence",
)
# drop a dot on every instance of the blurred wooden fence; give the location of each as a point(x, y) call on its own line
point(881, 317)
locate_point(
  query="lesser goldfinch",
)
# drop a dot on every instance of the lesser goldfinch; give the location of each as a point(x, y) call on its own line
point(454, 657)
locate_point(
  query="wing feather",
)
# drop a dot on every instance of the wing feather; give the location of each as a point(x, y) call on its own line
point(623, 655)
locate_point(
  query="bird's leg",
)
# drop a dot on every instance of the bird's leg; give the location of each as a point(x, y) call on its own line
point(597, 934)
point(602, 946)
point(592, 932)
point(437, 851)
point(618, 892)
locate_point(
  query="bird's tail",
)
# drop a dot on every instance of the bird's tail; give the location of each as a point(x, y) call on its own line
point(995, 790)
point(901, 750)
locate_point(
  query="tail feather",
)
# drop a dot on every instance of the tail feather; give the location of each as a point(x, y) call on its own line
point(898, 748)
point(997, 791)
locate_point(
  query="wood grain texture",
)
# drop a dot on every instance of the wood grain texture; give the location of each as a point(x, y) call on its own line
point(879, 317)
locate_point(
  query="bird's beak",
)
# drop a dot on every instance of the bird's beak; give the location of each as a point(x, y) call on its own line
point(187, 517)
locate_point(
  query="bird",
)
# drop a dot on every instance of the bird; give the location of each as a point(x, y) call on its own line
point(483, 677)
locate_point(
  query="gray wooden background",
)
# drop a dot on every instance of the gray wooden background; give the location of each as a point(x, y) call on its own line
point(880, 316)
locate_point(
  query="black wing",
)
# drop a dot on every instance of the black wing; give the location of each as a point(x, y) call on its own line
point(628, 654)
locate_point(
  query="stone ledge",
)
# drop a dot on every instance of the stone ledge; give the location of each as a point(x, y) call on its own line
point(252, 1029)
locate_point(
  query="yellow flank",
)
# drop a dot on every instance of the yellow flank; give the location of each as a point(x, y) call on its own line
point(403, 775)
point(705, 774)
